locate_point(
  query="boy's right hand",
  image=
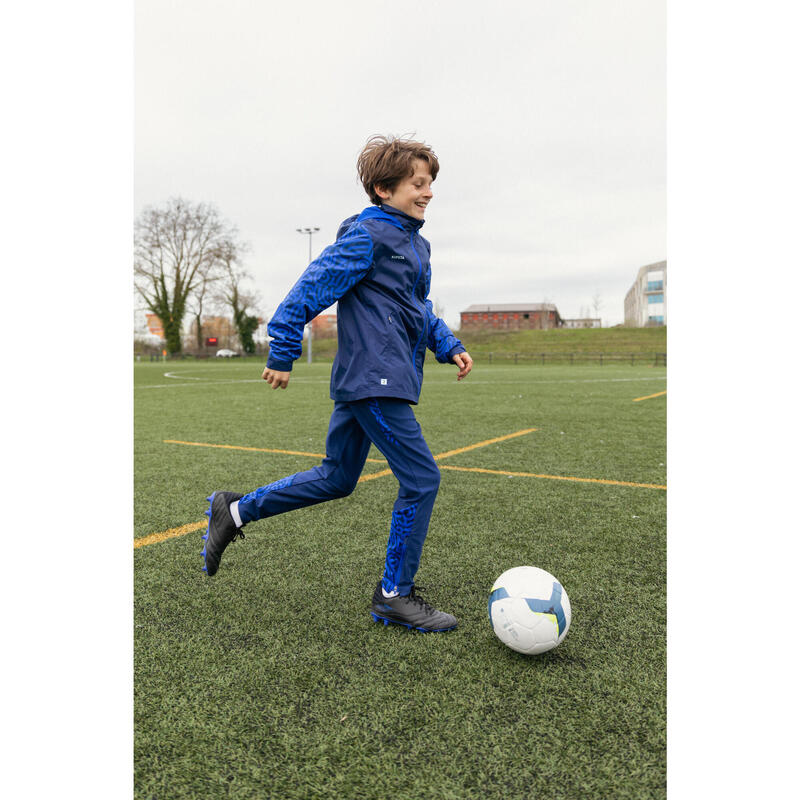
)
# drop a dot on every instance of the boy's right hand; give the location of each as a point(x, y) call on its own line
point(278, 380)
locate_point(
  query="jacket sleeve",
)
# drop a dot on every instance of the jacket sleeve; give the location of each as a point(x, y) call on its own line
point(340, 267)
point(440, 338)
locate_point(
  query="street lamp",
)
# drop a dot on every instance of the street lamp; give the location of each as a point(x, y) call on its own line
point(310, 232)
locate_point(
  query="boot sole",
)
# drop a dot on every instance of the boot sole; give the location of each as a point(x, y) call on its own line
point(208, 531)
point(387, 621)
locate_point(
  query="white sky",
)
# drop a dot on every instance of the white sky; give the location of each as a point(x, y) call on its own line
point(549, 120)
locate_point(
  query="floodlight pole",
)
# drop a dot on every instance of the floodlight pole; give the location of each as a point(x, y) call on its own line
point(310, 232)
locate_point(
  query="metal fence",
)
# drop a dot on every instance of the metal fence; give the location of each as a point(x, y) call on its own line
point(654, 359)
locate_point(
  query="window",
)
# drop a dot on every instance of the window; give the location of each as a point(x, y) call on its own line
point(656, 320)
point(654, 286)
point(655, 298)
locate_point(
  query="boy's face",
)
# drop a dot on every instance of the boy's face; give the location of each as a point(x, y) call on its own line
point(411, 195)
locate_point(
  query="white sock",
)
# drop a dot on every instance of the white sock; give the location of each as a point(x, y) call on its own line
point(234, 509)
point(387, 595)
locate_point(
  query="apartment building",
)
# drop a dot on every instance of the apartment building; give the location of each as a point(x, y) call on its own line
point(646, 300)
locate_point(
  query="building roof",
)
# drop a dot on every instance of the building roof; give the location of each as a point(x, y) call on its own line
point(506, 307)
point(659, 265)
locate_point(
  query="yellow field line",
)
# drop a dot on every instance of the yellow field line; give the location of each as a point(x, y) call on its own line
point(195, 526)
point(262, 450)
point(555, 477)
point(657, 394)
point(379, 474)
point(484, 443)
point(160, 537)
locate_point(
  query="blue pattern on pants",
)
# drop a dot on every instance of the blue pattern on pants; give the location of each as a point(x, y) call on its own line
point(402, 525)
point(352, 428)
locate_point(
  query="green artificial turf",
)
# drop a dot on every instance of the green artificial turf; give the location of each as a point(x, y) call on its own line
point(272, 680)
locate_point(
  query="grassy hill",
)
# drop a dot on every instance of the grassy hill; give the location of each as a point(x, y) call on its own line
point(560, 342)
point(589, 340)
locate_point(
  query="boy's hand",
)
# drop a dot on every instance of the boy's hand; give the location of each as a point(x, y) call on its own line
point(464, 364)
point(278, 380)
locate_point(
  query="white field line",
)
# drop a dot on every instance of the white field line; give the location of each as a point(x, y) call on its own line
point(429, 381)
point(568, 380)
point(206, 382)
point(183, 377)
point(203, 383)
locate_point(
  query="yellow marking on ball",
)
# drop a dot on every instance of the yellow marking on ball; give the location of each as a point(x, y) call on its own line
point(551, 617)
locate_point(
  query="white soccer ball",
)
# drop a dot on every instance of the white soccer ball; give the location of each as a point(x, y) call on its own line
point(529, 610)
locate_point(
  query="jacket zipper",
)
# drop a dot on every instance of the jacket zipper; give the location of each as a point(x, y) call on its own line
point(424, 315)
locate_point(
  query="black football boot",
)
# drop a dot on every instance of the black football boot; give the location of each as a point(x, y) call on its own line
point(410, 610)
point(222, 529)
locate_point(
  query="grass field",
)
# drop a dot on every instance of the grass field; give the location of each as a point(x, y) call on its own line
point(271, 679)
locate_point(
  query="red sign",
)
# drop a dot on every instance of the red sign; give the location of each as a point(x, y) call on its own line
point(211, 340)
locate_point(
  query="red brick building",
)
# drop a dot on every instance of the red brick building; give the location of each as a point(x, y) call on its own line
point(324, 326)
point(511, 317)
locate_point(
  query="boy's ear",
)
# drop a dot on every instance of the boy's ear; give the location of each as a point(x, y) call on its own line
point(382, 191)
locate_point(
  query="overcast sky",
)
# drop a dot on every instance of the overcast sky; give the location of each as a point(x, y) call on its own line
point(548, 118)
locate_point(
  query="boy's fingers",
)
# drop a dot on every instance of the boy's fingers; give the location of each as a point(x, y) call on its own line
point(464, 362)
point(277, 380)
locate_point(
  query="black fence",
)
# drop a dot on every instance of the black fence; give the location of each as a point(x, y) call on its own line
point(652, 359)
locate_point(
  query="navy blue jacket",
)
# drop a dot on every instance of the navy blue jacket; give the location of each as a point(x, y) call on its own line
point(379, 270)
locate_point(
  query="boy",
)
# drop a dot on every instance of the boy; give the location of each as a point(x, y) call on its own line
point(379, 271)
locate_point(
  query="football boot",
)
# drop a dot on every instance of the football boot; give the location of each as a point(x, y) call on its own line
point(410, 610)
point(221, 529)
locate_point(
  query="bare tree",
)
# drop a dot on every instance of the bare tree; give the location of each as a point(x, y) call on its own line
point(176, 249)
point(544, 314)
point(597, 304)
point(233, 295)
point(208, 275)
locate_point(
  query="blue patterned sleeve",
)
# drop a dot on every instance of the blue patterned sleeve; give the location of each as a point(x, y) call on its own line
point(330, 276)
point(440, 338)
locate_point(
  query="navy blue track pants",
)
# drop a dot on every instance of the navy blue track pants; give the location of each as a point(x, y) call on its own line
point(391, 426)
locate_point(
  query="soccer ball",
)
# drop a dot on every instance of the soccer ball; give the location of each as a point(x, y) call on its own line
point(529, 610)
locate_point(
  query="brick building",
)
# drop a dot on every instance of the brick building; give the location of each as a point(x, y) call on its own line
point(218, 327)
point(324, 326)
point(511, 317)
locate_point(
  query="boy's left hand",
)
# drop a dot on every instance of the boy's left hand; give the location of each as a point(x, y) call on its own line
point(464, 364)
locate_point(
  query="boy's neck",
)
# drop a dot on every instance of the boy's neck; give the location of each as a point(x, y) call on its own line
point(413, 222)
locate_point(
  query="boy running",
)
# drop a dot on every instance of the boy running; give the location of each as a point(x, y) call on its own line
point(379, 271)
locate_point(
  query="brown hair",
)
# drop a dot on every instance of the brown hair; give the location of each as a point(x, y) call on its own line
point(386, 160)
